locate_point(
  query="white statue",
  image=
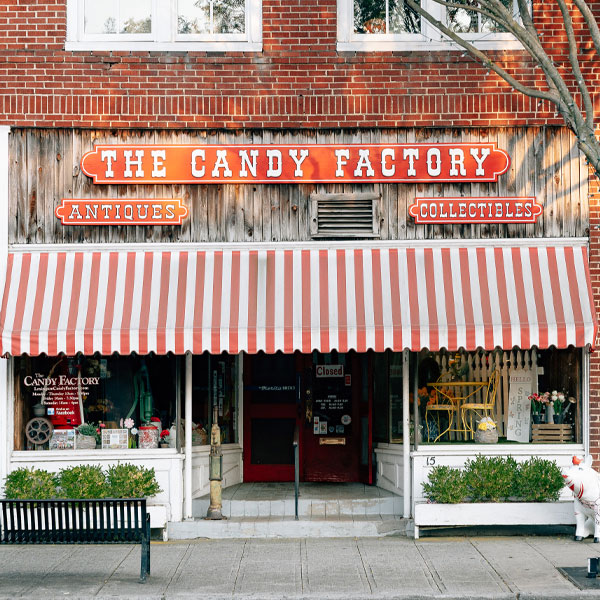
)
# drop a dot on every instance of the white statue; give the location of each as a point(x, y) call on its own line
point(584, 482)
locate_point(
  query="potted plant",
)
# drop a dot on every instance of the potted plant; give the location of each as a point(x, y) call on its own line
point(494, 490)
point(538, 405)
point(88, 435)
point(165, 436)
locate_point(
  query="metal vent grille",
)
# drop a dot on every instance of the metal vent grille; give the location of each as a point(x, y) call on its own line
point(345, 215)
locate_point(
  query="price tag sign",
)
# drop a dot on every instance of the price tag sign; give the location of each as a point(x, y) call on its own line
point(519, 406)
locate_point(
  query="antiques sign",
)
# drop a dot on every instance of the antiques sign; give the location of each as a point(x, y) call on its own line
point(475, 210)
point(519, 406)
point(393, 163)
point(110, 211)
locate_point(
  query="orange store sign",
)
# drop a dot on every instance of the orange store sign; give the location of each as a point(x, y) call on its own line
point(392, 163)
point(475, 210)
point(110, 211)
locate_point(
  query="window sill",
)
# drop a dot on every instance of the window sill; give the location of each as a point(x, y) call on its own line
point(146, 46)
point(423, 46)
point(25, 456)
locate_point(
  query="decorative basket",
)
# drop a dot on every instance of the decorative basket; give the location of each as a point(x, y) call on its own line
point(486, 436)
point(85, 442)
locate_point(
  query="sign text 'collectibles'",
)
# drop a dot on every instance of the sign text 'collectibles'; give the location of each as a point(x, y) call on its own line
point(400, 163)
point(475, 210)
point(110, 211)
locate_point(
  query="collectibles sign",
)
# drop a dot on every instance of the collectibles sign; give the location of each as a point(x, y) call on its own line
point(121, 212)
point(393, 163)
point(475, 210)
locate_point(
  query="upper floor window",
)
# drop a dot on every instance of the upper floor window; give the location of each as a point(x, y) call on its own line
point(391, 25)
point(192, 25)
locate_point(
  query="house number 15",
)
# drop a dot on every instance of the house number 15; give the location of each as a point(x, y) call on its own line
point(430, 461)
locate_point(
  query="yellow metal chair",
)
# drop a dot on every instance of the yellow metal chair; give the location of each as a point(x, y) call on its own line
point(443, 404)
point(480, 409)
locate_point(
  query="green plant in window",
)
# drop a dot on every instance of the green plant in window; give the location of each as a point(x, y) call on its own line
point(445, 486)
point(34, 484)
point(89, 429)
point(129, 481)
point(490, 478)
point(83, 481)
point(539, 480)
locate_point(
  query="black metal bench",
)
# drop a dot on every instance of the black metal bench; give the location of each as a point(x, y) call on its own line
point(106, 521)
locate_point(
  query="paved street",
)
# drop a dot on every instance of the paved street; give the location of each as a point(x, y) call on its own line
point(392, 567)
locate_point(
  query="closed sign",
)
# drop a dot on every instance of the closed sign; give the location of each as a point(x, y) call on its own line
point(330, 371)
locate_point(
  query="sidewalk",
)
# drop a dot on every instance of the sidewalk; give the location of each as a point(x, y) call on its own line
point(392, 567)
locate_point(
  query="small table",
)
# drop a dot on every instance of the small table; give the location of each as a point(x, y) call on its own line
point(446, 389)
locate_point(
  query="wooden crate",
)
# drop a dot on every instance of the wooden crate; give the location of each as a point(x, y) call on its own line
point(547, 433)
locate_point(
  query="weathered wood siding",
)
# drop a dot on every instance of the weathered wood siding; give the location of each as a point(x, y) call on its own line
point(45, 169)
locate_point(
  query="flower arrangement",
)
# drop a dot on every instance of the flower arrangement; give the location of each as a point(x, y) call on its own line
point(165, 436)
point(539, 402)
point(558, 401)
point(129, 424)
point(486, 424)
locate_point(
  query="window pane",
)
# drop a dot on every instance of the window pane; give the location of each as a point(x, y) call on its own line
point(490, 26)
point(384, 16)
point(461, 20)
point(99, 17)
point(194, 16)
point(229, 16)
point(135, 16)
point(112, 16)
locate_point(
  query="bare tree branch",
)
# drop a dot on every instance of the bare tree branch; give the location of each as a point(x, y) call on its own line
point(524, 30)
point(574, 60)
point(591, 23)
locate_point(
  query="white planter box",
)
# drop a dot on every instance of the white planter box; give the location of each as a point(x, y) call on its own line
point(493, 513)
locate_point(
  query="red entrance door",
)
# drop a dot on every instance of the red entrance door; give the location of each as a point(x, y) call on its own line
point(332, 433)
point(327, 396)
point(271, 414)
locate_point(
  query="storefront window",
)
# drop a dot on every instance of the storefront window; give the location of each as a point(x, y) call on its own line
point(55, 395)
point(120, 400)
point(387, 397)
point(214, 386)
point(520, 396)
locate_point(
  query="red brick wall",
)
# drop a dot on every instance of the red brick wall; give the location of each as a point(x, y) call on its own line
point(299, 80)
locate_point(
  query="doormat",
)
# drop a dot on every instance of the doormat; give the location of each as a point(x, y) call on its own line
point(578, 576)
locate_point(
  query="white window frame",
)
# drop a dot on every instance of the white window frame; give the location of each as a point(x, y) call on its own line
point(164, 36)
point(428, 39)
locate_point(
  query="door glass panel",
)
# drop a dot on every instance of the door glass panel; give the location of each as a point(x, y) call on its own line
point(272, 441)
point(273, 379)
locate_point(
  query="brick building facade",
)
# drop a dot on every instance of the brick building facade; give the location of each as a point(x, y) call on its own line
point(302, 76)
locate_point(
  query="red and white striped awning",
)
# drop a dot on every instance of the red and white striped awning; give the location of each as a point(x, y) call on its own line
point(324, 298)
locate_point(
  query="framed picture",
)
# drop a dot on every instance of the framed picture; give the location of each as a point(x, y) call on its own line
point(62, 439)
point(115, 439)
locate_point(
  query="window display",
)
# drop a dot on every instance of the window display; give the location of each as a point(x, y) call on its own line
point(91, 395)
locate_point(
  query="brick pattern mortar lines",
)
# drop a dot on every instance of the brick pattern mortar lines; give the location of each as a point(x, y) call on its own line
point(299, 80)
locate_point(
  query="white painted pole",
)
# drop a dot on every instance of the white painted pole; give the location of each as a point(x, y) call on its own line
point(406, 434)
point(188, 436)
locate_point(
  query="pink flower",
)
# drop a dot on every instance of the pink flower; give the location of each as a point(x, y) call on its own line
point(129, 423)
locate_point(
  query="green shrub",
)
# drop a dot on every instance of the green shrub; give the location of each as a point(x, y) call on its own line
point(490, 478)
point(539, 480)
point(85, 481)
point(128, 481)
point(446, 485)
point(34, 484)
